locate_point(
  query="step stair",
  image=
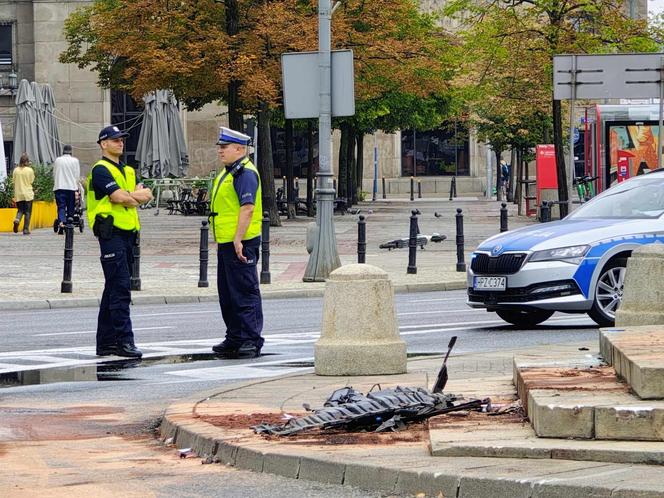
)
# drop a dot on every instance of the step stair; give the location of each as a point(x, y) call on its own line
point(637, 355)
point(581, 397)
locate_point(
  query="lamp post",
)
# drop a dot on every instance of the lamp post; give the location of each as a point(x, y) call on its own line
point(324, 258)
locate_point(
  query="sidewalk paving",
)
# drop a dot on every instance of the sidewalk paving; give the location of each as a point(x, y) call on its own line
point(217, 425)
point(32, 267)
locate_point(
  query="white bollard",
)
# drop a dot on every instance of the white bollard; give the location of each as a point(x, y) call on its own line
point(643, 293)
point(360, 335)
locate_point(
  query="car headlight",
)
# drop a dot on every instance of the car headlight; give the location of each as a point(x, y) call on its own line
point(572, 254)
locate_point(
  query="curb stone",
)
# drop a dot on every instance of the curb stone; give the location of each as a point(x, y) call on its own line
point(84, 302)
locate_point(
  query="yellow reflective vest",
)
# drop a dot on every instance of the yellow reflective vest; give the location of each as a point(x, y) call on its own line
point(124, 218)
point(225, 207)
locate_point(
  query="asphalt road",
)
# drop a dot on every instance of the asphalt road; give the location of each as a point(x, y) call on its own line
point(137, 393)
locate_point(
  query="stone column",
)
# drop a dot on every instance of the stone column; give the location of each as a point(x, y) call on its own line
point(643, 295)
point(360, 335)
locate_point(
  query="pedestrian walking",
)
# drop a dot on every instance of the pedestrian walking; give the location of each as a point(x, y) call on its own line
point(66, 172)
point(23, 177)
point(112, 199)
point(236, 213)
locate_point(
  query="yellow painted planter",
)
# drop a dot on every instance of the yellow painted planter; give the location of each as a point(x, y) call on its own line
point(43, 214)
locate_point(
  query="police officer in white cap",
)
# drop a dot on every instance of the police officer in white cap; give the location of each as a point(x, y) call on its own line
point(236, 215)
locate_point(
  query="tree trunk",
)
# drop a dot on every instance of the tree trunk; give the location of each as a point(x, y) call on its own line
point(360, 162)
point(519, 185)
point(352, 167)
point(266, 165)
point(310, 169)
point(290, 190)
point(342, 183)
point(235, 119)
point(499, 195)
point(511, 187)
point(560, 158)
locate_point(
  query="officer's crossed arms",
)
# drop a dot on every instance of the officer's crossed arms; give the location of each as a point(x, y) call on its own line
point(140, 195)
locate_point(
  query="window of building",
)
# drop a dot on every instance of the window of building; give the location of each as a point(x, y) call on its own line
point(126, 114)
point(444, 151)
point(6, 58)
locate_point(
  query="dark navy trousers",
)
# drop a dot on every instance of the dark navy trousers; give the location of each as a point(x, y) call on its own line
point(239, 293)
point(113, 322)
point(66, 201)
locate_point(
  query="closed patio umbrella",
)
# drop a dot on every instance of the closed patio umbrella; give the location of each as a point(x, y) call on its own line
point(25, 129)
point(51, 124)
point(162, 150)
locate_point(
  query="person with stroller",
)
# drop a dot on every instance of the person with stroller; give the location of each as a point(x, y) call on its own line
point(66, 173)
point(23, 177)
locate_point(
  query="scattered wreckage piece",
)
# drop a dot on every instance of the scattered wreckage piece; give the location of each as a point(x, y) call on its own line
point(384, 410)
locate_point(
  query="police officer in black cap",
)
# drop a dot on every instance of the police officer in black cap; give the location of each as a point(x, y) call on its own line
point(236, 226)
point(112, 198)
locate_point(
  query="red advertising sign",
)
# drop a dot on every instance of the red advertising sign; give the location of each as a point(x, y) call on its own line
point(545, 164)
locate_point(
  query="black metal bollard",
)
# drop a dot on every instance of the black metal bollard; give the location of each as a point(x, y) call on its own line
point(265, 249)
point(503, 217)
point(203, 256)
point(334, 186)
point(412, 187)
point(297, 187)
point(419, 189)
point(412, 244)
point(66, 285)
point(545, 212)
point(452, 182)
point(361, 240)
point(283, 185)
point(461, 265)
point(454, 186)
point(136, 264)
point(384, 188)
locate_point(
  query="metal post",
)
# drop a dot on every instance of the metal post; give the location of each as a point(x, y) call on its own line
point(451, 188)
point(660, 136)
point(297, 188)
point(361, 240)
point(136, 264)
point(454, 190)
point(66, 285)
point(570, 175)
point(461, 265)
point(334, 185)
point(412, 244)
point(489, 175)
point(265, 249)
point(375, 179)
point(203, 256)
point(384, 188)
point(324, 257)
point(412, 186)
point(503, 217)
point(419, 189)
point(284, 186)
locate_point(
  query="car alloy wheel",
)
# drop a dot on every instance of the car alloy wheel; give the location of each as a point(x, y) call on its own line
point(609, 293)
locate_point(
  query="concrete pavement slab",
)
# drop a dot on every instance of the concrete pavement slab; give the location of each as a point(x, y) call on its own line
point(403, 467)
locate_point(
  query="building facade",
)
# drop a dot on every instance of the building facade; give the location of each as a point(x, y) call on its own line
point(32, 38)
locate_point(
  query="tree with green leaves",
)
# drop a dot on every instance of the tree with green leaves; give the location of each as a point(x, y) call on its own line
point(508, 45)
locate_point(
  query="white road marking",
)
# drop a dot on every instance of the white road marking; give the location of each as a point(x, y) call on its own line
point(94, 331)
point(431, 312)
point(446, 299)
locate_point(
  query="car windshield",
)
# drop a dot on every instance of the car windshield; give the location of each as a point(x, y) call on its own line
point(639, 198)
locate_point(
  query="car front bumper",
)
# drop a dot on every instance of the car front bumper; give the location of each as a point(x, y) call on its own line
point(546, 285)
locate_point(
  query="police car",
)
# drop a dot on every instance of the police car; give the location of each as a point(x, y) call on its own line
point(575, 265)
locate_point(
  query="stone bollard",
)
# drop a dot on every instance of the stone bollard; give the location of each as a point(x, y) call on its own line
point(360, 335)
point(643, 290)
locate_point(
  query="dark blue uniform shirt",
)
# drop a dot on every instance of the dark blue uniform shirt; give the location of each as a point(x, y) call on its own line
point(103, 182)
point(246, 185)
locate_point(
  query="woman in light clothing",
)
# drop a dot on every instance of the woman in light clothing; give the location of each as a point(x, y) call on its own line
point(23, 194)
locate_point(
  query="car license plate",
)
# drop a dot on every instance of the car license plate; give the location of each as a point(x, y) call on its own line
point(490, 283)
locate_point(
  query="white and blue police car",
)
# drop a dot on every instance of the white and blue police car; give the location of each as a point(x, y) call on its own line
point(575, 265)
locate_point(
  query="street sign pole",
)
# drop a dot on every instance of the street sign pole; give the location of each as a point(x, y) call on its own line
point(570, 173)
point(660, 135)
point(324, 258)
